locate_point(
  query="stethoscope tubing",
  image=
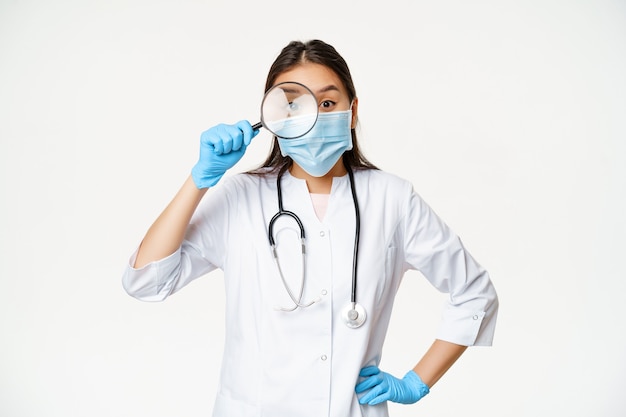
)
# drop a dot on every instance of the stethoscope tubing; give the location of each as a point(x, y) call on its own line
point(357, 234)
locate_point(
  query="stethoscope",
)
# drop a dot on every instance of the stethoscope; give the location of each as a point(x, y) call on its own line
point(353, 314)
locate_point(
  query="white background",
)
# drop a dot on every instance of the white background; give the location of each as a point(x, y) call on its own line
point(508, 117)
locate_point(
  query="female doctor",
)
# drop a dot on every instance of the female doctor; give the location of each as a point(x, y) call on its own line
point(308, 301)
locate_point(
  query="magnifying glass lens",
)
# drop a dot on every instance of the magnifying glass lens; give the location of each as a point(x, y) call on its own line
point(289, 110)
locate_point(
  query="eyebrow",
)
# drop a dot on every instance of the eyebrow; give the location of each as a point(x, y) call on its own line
point(328, 88)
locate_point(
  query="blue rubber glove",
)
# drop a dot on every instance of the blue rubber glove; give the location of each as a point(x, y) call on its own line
point(384, 387)
point(221, 147)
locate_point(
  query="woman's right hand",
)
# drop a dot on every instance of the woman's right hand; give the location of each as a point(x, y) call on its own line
point(221, 147)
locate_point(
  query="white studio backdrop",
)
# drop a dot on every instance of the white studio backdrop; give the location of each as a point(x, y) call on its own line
point(508, 117)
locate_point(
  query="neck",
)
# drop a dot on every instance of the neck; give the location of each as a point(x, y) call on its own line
point(319, 185)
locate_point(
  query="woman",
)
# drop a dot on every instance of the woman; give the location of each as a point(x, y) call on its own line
point(298, 343)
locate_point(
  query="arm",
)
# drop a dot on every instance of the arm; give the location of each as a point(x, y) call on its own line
point(469, 315)
point(221, 147)
point(381, 386)
point(437, 360)
point(167, 232)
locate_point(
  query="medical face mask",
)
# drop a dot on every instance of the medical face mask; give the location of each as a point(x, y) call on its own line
point(320, 149)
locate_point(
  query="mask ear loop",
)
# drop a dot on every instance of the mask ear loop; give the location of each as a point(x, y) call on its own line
point(353, 116)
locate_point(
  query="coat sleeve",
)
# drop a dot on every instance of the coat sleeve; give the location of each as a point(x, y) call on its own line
point(431, 247)
point(202, 251)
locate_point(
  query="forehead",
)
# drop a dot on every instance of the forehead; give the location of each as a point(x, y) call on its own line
point(314, 76)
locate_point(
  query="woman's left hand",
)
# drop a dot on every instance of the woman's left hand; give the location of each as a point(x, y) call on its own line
point(381, 386)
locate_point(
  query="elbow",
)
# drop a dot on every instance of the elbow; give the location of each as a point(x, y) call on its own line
point(144, 290)
point(152, 282)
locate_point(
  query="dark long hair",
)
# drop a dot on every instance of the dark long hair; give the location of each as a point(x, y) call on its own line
point(317, 52)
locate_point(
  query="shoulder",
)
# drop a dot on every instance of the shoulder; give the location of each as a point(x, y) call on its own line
point(391, 192)
point(246, 182)
point(383, 181)
point(384, 192)
point(237, 191)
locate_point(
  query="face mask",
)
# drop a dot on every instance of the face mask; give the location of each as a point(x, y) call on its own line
point(320, 149)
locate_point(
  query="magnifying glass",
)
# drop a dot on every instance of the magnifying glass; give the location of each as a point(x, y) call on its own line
point(288, 110)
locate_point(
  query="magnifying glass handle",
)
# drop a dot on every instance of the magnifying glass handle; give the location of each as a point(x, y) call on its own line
point(257, 126)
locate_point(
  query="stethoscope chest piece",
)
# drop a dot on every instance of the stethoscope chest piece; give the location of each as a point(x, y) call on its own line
point(353, 315)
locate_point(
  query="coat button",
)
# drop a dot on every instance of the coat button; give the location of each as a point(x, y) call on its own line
point(475, 317)
point(322, 234)
point(323, 357)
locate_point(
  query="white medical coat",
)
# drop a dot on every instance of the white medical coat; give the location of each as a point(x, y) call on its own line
point(306, 362)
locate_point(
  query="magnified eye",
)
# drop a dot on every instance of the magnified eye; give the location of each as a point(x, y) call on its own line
point(289, 110)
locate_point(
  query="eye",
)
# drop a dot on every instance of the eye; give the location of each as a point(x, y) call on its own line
point(293, 106)
point(327, 104)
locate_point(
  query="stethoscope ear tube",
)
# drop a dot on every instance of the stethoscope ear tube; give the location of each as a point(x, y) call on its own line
point(270, 231)
point(282, 212)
